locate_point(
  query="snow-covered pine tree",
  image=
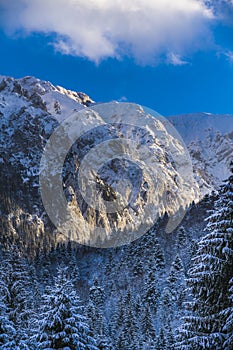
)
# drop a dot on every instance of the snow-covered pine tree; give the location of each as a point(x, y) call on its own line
point(165, 307)
point(165, 316)
point(176, 269)
point(16, 303)
point(7, 328)
point(150, 290)
point(156, 259)
point(169, 336)
point(19, 299)
point(61, 324)
point(161, 340)
point(10, 337)
point(147, 329)
point(96, 294)
point(209, 326)
point(228, 316)
point(129, 332)
point(176, 281)
point(138, 268)
point(181, 239)
point(96, 317)
point(138, 307)
point(73, 269)
point(105, 344)
point(129, 335)
point(116, 319)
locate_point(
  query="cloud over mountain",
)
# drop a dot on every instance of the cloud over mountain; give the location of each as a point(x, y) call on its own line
point(97, 29)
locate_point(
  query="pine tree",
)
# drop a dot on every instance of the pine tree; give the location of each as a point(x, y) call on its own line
point(176, 281)
point(61, 325)
point(169, 335)
point(156, 259)
point(96, 294)
point(19, 297)
point(129, 336)
point(138, 307)
point(129, 333)
point(165, 307)
point(176, 268)
point(151, 293)
point(228, 316)
point(161, 340)
point(98, 326)
point(96, 316)
point(105, 344)
point(147, 327)
point(16, 303)
point(116, 319)
point(181, 238)
point(154, 265)
point(74, 269)
point(138, 267)
point(166, 314)
point(7, 329)
point(209, 326)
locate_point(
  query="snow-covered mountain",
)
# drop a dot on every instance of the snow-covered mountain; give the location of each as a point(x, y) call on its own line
point(131, 297)
point(209, 138)
point(31, 109)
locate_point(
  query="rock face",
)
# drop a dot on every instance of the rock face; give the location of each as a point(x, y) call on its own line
point(30, 111)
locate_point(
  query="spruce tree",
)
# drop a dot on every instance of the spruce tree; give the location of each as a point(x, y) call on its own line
point(61, 324)
point(181, 239)
point(228, 316)
point(7, 328)
point(96, 294)
point(165, 307)
point(156, 259)
point(150, 292)
point(161, 340)
point(16, 306)
point(147, 328)
point(19, 296)
point(165, 317)
point(129, 336)
point(176, 281)
point(96, 315)
point(209, 324)
point(129, 331)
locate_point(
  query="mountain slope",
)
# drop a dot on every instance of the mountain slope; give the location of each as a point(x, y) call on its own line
point(209, 138)
point(137, 289)
point(31, 109)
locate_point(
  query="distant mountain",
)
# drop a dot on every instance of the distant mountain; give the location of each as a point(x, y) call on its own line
point(209, 138)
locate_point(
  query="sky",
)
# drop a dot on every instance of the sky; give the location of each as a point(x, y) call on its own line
point(172, 56)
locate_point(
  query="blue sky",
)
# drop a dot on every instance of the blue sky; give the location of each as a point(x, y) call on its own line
point(182, 63)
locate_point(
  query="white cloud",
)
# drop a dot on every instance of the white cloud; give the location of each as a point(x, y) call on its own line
point(175, 59)
point(122, 99)
point(223, 10)
point(229, 56)
point(96, 29)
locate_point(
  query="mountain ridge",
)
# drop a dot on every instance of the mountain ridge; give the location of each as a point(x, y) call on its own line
point(30, 109)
